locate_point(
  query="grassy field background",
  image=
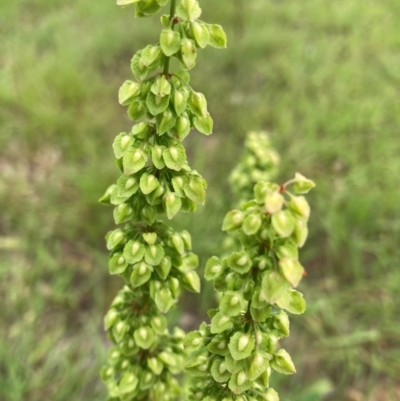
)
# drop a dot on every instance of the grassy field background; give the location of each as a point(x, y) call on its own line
point(323, 77)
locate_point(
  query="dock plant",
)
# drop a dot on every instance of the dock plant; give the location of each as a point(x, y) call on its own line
point(232, 357)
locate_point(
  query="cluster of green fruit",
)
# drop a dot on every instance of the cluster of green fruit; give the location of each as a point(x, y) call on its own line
point(154, 260)
point(259, 162)
point(145, 356)
point(233, 357)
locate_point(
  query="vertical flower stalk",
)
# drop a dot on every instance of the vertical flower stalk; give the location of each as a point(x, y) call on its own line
point(155, 262)
point(233, 357)
point(259, 162)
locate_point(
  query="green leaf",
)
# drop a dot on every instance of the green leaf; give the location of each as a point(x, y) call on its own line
point(213, 268)
point(128, 92)
point(114, 238)
point(134, 251)
point(195, 189)
point(141, 273)
point(293, 301)
point(165, 122)
point(133, 161)
point(198, 104)
point(292, 270)
point(282, 363)
point(175, 157)
point(283, 223)
point(157, 156)
point(240, 262)
point(123, 213)
point(156, 104)
point(204, 124)
point(217, 36)
point(148, 183)
point(273, 286)
point(172, 204)
point(154, 254)
point(128, 383)
point(170, 42)
point(231, 303)
point(144, 337)
point(220, 323)
point(136, 110)
point(127, 186)
point(200, 33)
point(161, 87)
point(121, 144)
point(188, 10)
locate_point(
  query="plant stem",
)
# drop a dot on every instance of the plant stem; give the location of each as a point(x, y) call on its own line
point(171, 16)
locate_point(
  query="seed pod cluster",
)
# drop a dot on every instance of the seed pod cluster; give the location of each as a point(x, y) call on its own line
point(154, 260)
point(232, 358)
point(259, 162)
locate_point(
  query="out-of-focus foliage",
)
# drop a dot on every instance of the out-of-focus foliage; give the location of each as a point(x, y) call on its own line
point(322, 77)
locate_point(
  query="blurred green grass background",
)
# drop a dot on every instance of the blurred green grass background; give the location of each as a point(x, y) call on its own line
point(321, 76)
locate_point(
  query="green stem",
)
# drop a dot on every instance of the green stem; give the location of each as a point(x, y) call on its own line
point(171, 16)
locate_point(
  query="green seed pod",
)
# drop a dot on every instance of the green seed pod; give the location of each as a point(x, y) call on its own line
point(200, 34)
point(300, 206)
point(231, 303)
point(282, 363)
point(283, 223)
point(292, 270)
point(302, 185)
point(198, 104)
